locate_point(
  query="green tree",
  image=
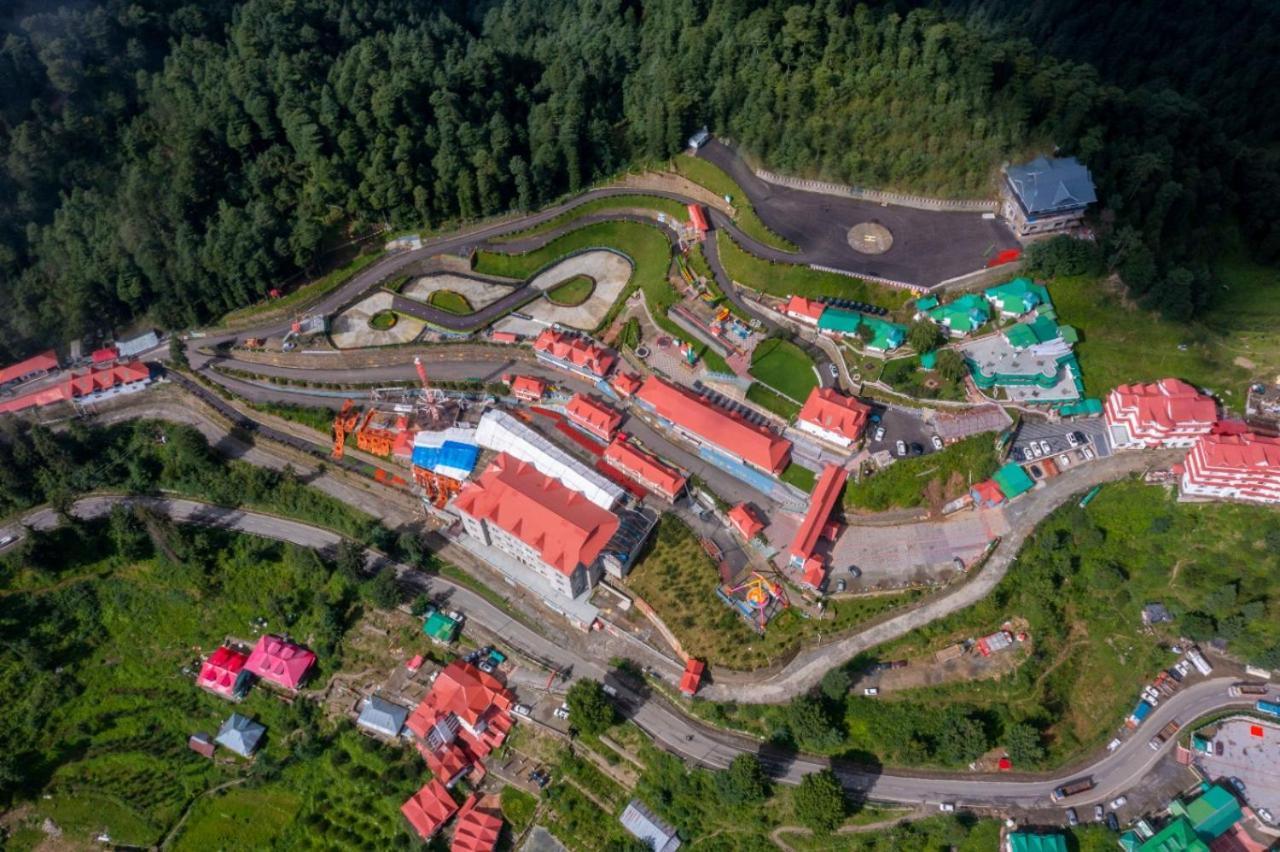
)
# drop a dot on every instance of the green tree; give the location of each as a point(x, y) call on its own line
point(811, 727)
point(382, 590)
point(743, 783)
point(590, 710)
point(950, 365)
point(820, 803)
point(349, 559)
point(836, 683)
point(865, 333)
point(1199, 626)
point(1023, 744)
point(925, 335)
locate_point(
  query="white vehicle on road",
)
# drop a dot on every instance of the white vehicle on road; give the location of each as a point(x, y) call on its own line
point(947, 807)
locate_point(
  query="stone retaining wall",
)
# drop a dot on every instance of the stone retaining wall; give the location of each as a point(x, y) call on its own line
point(919, 202)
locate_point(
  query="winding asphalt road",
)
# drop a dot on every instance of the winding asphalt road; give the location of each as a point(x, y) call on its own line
point(671, 729)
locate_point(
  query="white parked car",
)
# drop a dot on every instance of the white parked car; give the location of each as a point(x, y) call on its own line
point(900, 448)
point(521, 710)
point(1072, 440)
point(1119, 802)
point(562, 712)
point(1036, 452)
point(7, 540)
point(1064, 460)
point(947, 807)
point(879, 435)
point(937, 442)
point(1088, 454)
point(871, 691)
point(1114, 744)
point(1044, 445)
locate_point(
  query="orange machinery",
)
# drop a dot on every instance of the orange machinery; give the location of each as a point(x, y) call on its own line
point(379, 431)
point(436, 488)
point(346, 421)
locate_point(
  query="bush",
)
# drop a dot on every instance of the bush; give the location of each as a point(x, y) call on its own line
point(590, 710)
point(1063, 256)
point(820, 802)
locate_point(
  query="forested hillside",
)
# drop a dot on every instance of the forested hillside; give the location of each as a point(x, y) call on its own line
point(180, 159)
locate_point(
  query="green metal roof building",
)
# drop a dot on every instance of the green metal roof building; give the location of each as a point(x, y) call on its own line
point(441, 627)
point(885, 336)
point(963, 316)
point(1013, 480)
point(927, 303)
point(1022, 841)
point(1177, 836)
point(1016, 297)
point(1211, 813)
point(839, 321)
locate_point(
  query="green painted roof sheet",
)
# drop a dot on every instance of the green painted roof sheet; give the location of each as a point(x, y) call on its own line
point(1013, 480)
point(1018, 296)
point(929, 360)
point(1020, 336)
point(964, 315)
point(1177, 836)
point(926, 303)
point(839, 319)
point(1021, 841)
point(440, 627)
point(885, 335)
point(1130, 841)
point(1212, 813)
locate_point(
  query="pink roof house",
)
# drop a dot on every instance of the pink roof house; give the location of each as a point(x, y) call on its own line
point(279, 661)
point(218, 673)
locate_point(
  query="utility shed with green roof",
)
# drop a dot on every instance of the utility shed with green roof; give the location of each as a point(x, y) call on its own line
point(1211, 813)
point(1177, 836)
point(1014, 298)
point(441, 627)
point(1013, 480)
point(1022, 841)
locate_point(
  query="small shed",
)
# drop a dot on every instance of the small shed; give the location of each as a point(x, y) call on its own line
point(692, 676)
point(646, 827)
point(202, 744)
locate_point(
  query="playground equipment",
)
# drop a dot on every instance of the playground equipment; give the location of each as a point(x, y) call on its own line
point(432, 400)
point(756, 598)
point(437, 489)
point(343, 424)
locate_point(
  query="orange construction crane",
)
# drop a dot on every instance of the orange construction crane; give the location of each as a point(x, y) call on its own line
point(422, 373)
point(342, 424)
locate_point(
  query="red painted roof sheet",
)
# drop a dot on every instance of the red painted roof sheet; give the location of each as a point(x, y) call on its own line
point(280, 661)
point(103, 355)
point(823, 499)
point(47, 360)
point(1166, 408)
point(805, 307)
point(815, 571)
point(75, 386)
point(593, 415)
point(429, 808)
point(1242, 452)
point(692, 676)
point(478, 826)
point(831, 410)
point(504, 337)
point(625, 383)
point(582, 352)
point(696, 217)
point(989, 492)
point(715, 425)
point(528, 386)
point(636, 462)
point(564, 526)
point(745, 520)
point(218, 673)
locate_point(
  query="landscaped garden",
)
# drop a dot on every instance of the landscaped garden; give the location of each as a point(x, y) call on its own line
point(712, 177)
point(572, 292)
point(450, 301)
point(906, 377)
point(785, 367)
point(383, 320)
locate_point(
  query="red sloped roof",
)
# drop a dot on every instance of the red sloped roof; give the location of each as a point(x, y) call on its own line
point(625, 383)
point(815, 569)
point(716, 425)
point(632, 460)
point(696, 217)
point(463, 690)
point(580, 351)
point(478, 826)
point(821, 502)
point(528, 385)
point(593, 414)
point(1242, 452)
point(745, 520)
point(692, 676)
point(280, 661)
point(93, 380)
point(1161, 407)
point(504, 337)
point(47, 360)
point(429, 808)
point(835, 412)
point(804, 307)
point(564, 526)
point(989, 492)
point(218, 673)
point(106, 353)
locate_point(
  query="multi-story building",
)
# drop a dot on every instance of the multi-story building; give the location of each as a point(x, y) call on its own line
point(1167, 413)
point(593, 416)
point(833, 417)
point(1046, 195)
point(1234, 467)
point(574, 352)
point(466, 715)
point(817, 525)
point(644, 468)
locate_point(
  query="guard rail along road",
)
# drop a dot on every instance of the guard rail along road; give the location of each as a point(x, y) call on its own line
point(920, 202)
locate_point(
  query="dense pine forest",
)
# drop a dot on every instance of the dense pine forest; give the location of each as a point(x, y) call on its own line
point(177, 159)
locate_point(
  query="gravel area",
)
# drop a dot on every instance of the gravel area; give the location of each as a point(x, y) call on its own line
point(610, 271)
point(478, 293)
point(350, 329)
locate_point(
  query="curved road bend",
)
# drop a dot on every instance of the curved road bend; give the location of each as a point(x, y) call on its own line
point(675, 732)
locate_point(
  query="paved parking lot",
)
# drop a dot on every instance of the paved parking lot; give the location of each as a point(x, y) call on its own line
point(900, 424)
point(1253, 760)
point(1094, 430)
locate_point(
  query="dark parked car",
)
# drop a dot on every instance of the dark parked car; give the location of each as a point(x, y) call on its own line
point(917, 450)
point(1112, 822)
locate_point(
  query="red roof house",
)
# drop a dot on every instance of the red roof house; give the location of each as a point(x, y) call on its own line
point(478, 826)
point(504, 337)
point(696, 218)
point(33, 367)
point(805, 310)
point(834, 417)
point(987, 494)
point(1234, 467)
point(692, 676)
point(105, 355)
point(465, 716)
point(429, 808)
point(574, 352)
point(745, 520)
point(279, 661)
point(93, 385)
point(702, 421)
point(1168, 413)
point(219, 672)
point(594, 416)
point(644, 468)
point(626, 384)
point(528, 388)
point(816, 524)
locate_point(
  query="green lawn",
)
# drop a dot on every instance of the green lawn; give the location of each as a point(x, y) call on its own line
point(319, 419)
point(784, 367)
point(383, 320)
point(238, 820)
point(907, 482)
point(707, 174)
point(448, 300)
point(573, 291)
point(673, 209)
point(518, 807)
point(679, 581)
point(1121, 344)
point(785, 279)
point(770, 400)
point(800, 477)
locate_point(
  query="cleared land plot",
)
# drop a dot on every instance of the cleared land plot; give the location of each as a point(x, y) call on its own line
point(911, 482)
point(351, 329)
point(708, 174)
point(784, 367)
point(785, 279)
point(477, 293)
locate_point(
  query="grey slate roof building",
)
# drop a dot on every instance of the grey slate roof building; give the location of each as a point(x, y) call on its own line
point(382, 717)
point(134, 345)
point(240, 734)
point(647, 828)
point(1047, 194)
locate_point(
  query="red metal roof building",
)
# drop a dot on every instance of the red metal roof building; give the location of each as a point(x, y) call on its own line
point(504, 337)
point(697, 219)
point(219, 672)
point(644, 468)
point(1169, 413)
point(746, 521)
point(626, 384)
point(804, 310)
point(466, 715)
point(528, 388)
point(533, 517)
point(94, 385)
point(1236, 467)
point(201, 744)
point(32, 368)
point(692, 676)
point(704, 422)
point(429, 808)
point(279, 661)
point(105, 355)
point(593, 416)
point(817, 524)
point(574, 352)
point(478, 826)
point(833, 417)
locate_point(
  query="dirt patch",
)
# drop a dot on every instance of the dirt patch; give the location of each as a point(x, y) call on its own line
point(1241, 361)
point(667, 182)
point(351, 329)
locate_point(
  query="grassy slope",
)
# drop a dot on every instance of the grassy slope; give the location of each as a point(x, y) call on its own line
point(708, 175)
point(305, 293)
point(785, 367)
point(574, 291)
point(902, 484)
point(673, 209)
point(448, 300)
point(767, 399)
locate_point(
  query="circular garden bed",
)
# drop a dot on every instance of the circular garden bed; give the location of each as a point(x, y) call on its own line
point(383, 320)
point(572, 291)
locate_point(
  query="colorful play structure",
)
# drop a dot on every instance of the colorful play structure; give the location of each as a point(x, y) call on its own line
point(757, 599)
